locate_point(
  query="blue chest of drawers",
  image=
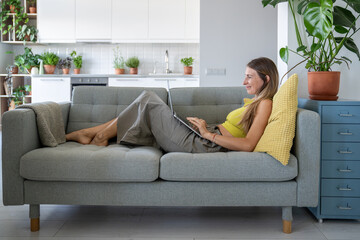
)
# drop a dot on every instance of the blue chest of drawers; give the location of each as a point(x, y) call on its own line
point(340, 158)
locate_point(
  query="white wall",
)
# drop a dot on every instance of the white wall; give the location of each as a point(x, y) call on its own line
point(98, 58)
point(349, 80)
point(5, 59)
point(232, 32)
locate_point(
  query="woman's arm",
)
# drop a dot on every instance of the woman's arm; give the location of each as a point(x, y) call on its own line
point(248, 143)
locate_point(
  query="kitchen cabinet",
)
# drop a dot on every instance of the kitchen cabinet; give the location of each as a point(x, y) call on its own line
point(56, 21)
point(93, 20)
point(153, 82)
point(339, 196)
point(192, 24)
point(129, 20)
point(167, 19)
point(56, 89)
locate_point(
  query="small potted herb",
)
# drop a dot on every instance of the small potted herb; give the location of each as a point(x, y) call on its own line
point(119, 62)
point(27, 33)
point(133, 64)
point(32, 6)
point(28, 89)
point(50, 61)
point(65, 65)
point(187, 62)
point(77, 62)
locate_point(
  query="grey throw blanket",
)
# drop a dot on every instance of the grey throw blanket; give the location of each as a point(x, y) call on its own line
point(49, 121)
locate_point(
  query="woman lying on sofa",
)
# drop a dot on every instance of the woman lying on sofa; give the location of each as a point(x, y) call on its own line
point(149, 121)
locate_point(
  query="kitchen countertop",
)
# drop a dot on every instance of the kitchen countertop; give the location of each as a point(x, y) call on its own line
point(172, 75)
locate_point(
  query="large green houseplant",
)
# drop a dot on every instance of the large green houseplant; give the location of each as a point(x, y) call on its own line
point(330, 26)
point(27, 60)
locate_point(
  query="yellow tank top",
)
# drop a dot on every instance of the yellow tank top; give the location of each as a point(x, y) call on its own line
point(233, 118)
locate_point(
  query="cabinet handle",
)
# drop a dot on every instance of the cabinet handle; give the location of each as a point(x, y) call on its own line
point(345, 152)
point(52, 80)
point(345, 133)
point(345, 115)
point(345, 170)
point(344, 189)
point(344, 208)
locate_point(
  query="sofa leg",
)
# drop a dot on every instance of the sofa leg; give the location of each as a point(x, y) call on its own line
point(286, 226)
point(287, 219)
point(34, 224)
point(34, 215)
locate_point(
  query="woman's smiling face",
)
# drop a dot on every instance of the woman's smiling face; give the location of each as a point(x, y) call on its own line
point(252, 81)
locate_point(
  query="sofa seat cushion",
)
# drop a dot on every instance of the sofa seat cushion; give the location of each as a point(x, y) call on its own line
point(226, 166)
point(72, 161)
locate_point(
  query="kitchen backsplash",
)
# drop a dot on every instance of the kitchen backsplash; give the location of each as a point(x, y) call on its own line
point(98, 58)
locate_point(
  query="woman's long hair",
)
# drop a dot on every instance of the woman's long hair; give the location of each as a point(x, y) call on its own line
point(264, 67)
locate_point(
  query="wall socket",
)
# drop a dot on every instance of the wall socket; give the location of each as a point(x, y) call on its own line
point(215, 71)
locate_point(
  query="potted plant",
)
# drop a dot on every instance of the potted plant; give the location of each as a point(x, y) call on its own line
point(119, 62)
point(32, 6)
point(50, 61)
point(133, 64)
point(18, 97)
point(187, 62)
point(329, 28)
point(28, 89)
point(27, 60)
point(8, 25)
point(77, 62)
point(27, 33)
point(65, 65)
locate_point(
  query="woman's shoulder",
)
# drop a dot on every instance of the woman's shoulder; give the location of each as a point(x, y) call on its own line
point(265, 105)
point(266, 102)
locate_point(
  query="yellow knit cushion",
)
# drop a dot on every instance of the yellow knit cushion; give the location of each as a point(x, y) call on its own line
point(280, 131)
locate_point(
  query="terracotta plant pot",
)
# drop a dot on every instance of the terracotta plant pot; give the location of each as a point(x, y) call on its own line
point(323, 85)
point(15, 70)
point(133, 70)
point(66, 70)
point(187, 70)
point(49, 69)
point(32, 9)
point(77, 71)
point(119, 71)
point(27, 38)
point(12, 8)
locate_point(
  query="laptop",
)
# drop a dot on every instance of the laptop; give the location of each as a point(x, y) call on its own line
point(177, 117)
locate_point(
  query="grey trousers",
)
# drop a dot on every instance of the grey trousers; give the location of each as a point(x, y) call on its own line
point(148, 121)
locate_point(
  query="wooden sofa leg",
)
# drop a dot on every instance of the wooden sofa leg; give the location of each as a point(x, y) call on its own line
point(35, 224)
point(287, 226)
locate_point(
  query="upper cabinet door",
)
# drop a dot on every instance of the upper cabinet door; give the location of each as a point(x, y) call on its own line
point(192, 30)
point(56, 21)
point(167, 19)
point(93, 20)
point(130, 20)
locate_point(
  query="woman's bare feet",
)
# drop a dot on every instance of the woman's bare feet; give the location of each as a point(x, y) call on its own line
point(100, 140)
point(81, 136)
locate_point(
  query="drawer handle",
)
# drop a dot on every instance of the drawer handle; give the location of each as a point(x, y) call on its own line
point(345, 133)
point(344, 208)
point(344, 189)
point(345, 115)
point(345, 152)
point(345, 170)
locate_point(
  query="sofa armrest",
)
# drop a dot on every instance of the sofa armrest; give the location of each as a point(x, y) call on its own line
point(307, 151)
point(19, 136)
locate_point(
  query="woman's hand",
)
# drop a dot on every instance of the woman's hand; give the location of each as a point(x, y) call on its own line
point(200, 124)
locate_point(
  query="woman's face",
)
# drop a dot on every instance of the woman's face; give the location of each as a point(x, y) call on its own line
point(252, 81)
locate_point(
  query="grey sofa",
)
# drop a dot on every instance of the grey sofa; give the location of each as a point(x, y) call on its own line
point(126, 175)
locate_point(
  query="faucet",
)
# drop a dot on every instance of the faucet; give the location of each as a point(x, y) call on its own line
point(167, 62)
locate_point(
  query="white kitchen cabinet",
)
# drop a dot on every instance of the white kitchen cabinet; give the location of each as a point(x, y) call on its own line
point(93, 20)
point(167, 19)
point(192, 24)
point(153, 82)
point(127, 82)
point(130, 20)
point(56, 21)
point(56, 89)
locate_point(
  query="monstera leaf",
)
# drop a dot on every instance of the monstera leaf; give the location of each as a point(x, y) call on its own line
point(318, 18)
point(355, 4)
point(344, 18)
point(272, 2)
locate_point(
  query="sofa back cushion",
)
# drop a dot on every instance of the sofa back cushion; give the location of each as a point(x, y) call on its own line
point(210, 103)
point(92, 106)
